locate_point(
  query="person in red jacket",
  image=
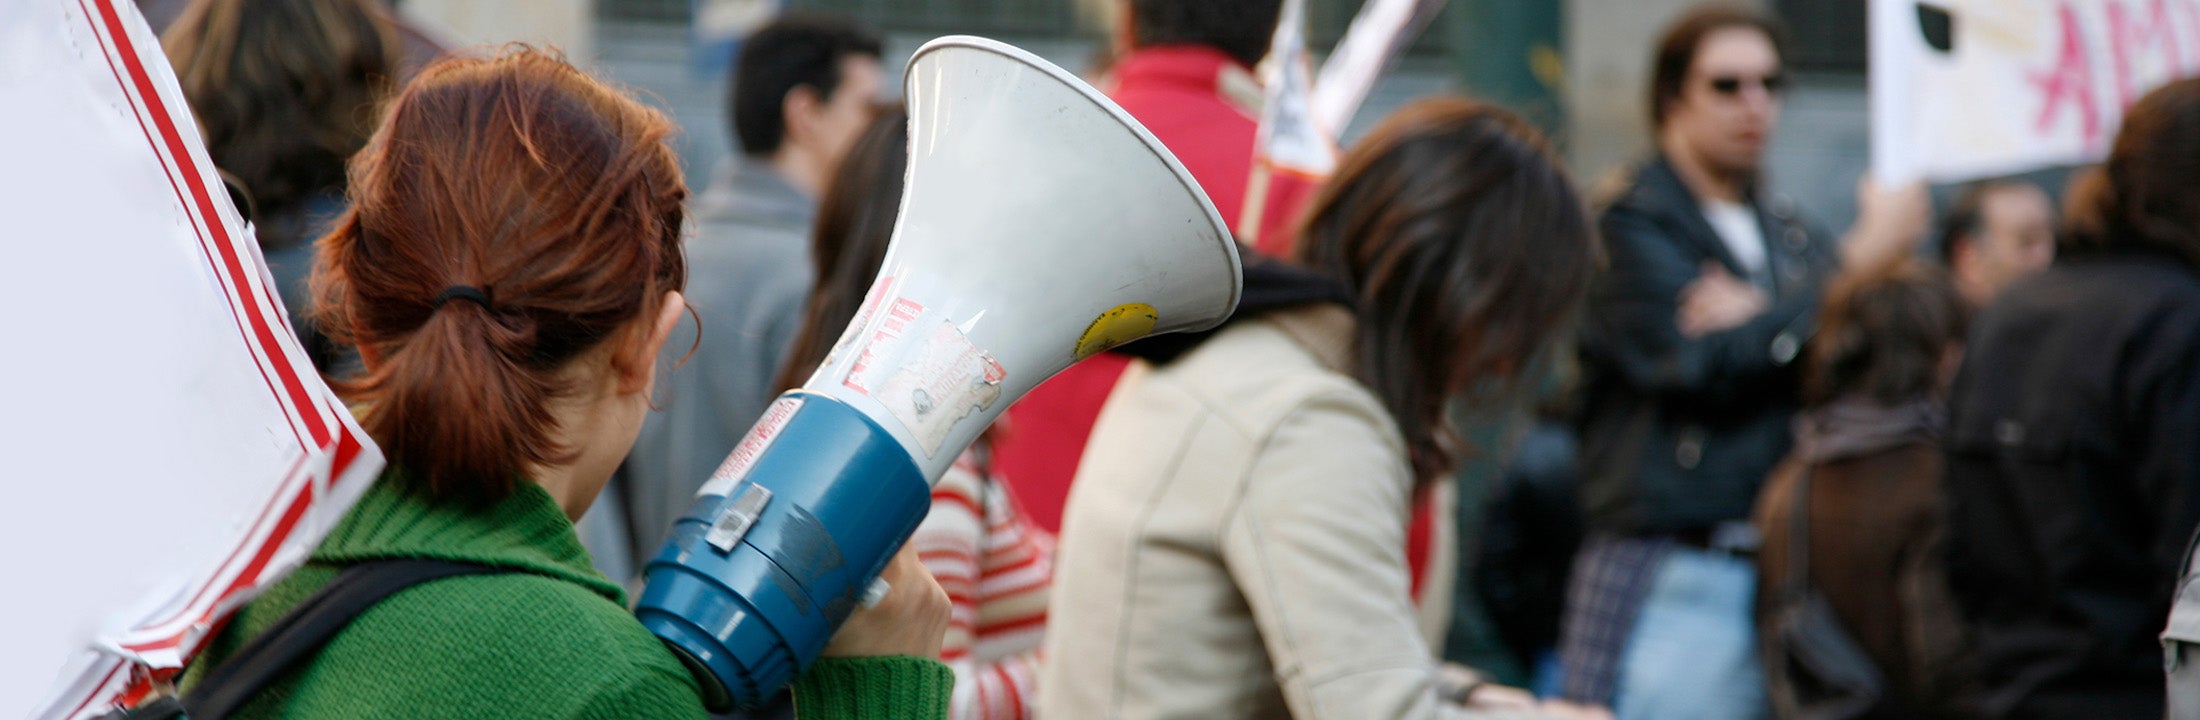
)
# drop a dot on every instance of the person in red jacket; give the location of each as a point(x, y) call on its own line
point(1184, 69)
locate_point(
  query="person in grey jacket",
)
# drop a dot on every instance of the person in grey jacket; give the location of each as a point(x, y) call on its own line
point(802, 91)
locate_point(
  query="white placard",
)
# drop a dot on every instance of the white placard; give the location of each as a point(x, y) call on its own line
point(169, 450)
point(1289, 133)
point(1963, 89)
point(1377, 36)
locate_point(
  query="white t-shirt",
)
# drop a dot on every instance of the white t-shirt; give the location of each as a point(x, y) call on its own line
point(1737, 225)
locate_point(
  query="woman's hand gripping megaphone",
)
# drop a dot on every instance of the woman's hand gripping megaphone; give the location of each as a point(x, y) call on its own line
point(909, 619)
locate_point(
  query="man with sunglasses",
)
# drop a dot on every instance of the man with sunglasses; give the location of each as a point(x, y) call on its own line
point(1688, 352)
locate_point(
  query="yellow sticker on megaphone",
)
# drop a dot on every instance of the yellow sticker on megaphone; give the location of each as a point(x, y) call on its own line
point(1121, 324)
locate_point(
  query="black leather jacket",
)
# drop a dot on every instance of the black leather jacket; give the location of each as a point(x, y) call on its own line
point(1677, 432)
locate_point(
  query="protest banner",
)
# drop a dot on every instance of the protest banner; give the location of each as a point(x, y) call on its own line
point(1378, 35)
point(1302, 116)
point(170, 450)
point(1291, 154)
point(1962, 89)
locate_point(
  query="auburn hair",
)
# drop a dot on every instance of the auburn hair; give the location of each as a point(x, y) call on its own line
point(2146, 195)
point(552, 194)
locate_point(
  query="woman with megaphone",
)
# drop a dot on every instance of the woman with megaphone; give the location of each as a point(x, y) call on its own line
point(509, 267)
point(1236, 540)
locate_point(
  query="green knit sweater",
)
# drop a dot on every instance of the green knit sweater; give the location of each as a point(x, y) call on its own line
point(552, 641)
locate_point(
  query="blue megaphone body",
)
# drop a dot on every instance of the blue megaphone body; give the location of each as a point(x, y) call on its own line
point(1039, 225)
point(756, 576)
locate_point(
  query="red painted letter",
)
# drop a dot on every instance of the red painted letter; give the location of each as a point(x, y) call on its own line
point(2069, 82)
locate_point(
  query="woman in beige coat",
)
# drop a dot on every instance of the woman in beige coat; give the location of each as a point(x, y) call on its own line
point(1236, 541)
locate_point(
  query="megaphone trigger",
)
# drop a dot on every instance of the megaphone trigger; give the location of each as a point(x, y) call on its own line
point(875, 593)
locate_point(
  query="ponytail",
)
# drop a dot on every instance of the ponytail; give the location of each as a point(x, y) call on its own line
point(456, 403)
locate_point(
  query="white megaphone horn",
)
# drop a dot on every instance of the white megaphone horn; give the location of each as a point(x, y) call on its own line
point(1040, 225)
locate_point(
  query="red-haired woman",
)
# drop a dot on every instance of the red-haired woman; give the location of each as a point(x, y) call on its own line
point(508, 269)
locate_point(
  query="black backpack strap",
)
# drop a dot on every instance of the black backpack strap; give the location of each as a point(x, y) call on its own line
point(300, 634)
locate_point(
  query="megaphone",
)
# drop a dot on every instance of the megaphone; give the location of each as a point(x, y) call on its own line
point(1040, 225)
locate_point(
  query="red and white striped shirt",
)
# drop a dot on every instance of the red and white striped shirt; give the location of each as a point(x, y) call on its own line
point(995, 565)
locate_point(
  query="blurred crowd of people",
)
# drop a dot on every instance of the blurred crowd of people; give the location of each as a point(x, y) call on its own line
point(1480, 443)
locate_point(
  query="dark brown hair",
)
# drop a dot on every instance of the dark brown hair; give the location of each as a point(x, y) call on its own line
point(2147, 194)
point(855, 223)
point(798, 49)
point(284, 90)
point(1466, 250)
point(1882, 331)
point(1966, 215)
point(1676, 50)
point(553, 194)
point(1241, 29)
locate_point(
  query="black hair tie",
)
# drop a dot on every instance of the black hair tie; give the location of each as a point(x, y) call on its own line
point(463, 292)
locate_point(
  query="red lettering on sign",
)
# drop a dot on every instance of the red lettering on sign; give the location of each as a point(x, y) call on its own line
point(2130, 39)
point(2069, 82)
point(896, 323)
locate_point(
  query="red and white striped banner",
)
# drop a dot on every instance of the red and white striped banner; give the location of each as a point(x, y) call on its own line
point(172, 451)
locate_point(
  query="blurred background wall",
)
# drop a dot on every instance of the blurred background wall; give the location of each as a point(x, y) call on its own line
point(1577, 67)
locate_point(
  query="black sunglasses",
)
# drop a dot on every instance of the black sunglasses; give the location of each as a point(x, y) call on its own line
point(1731, 85)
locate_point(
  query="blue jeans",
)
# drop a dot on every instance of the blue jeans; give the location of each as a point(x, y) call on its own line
point(1693, 652)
